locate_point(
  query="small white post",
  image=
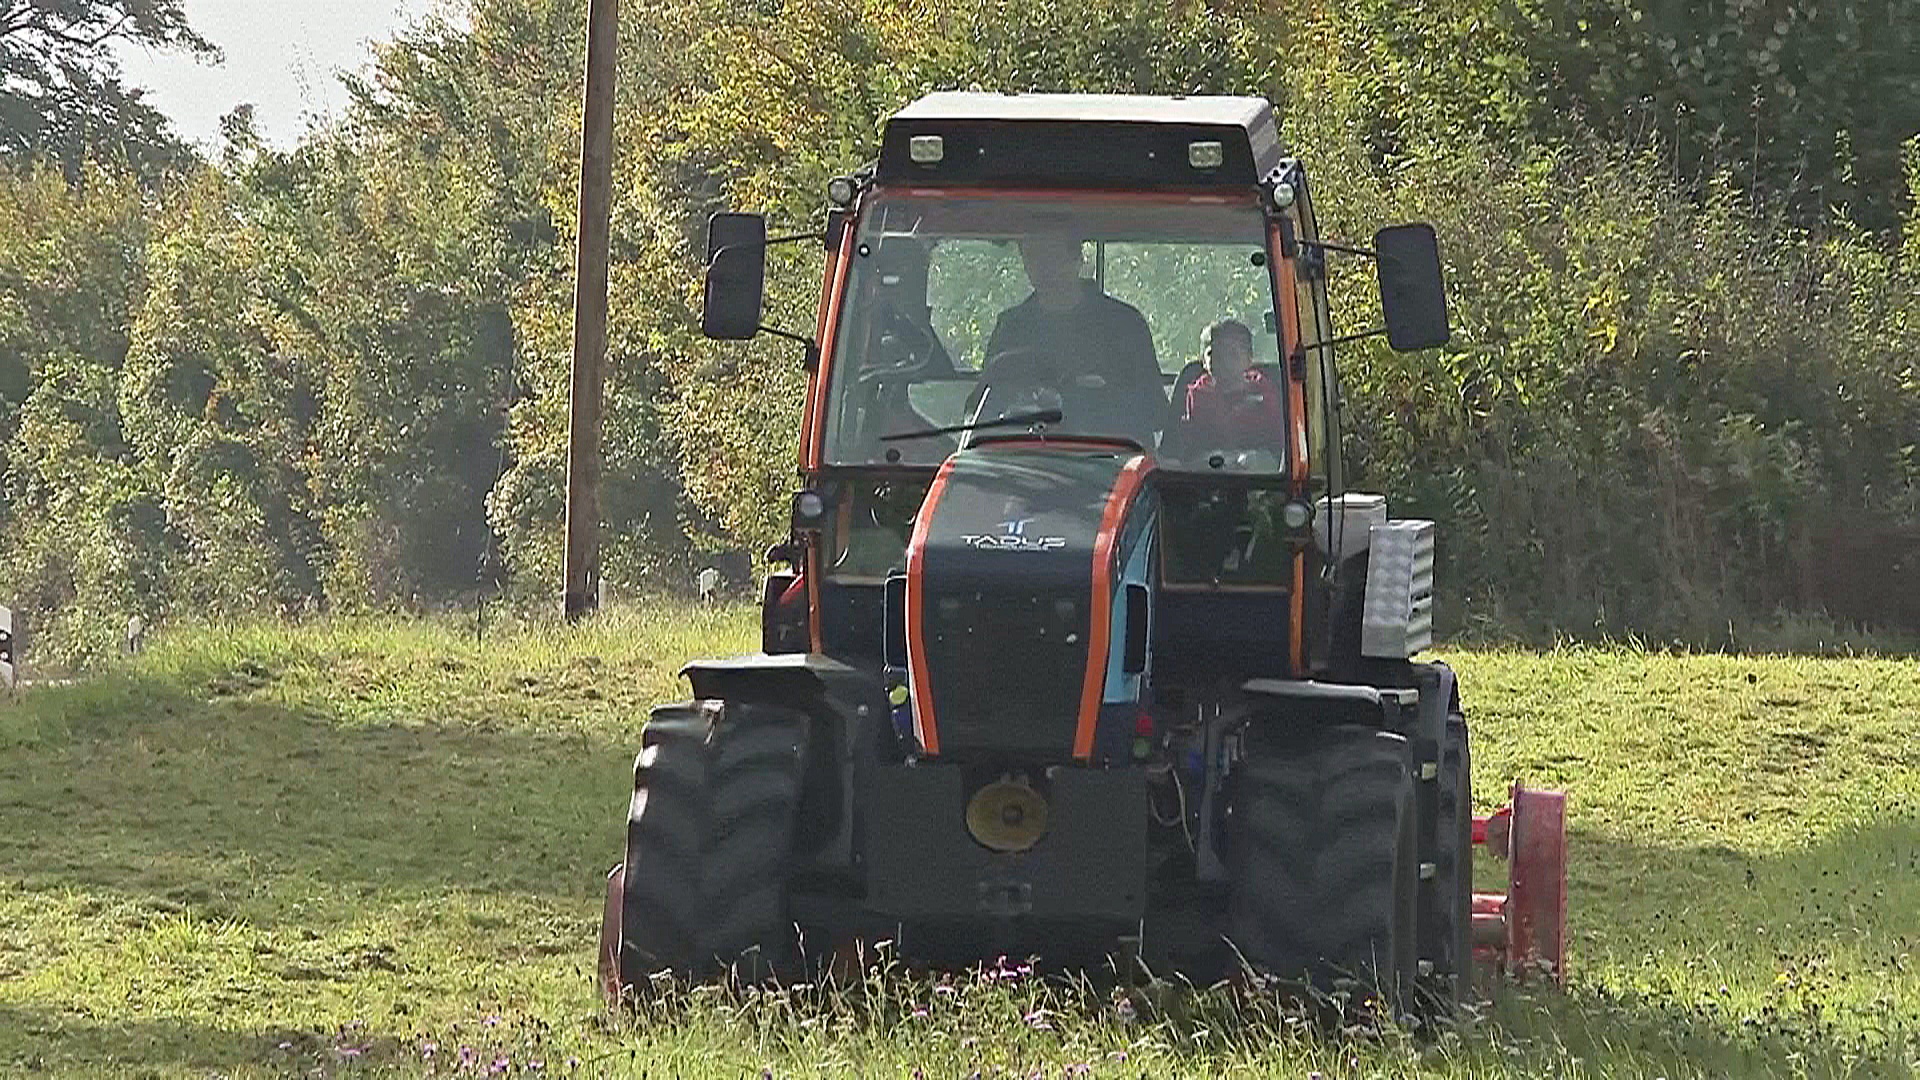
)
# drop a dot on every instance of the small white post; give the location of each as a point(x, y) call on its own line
point(7, 647)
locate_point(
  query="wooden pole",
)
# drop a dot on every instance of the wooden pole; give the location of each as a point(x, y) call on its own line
point(582, 571)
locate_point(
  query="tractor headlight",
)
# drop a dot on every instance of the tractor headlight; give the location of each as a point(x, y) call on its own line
point(809, 511)
point(1297, 515)
point(841, 190)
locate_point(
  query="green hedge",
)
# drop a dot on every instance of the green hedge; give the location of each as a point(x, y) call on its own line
point(334, 376)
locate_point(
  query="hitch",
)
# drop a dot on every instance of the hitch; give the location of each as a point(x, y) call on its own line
point(1523, 931)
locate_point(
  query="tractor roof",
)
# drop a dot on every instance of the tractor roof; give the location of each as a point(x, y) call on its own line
point(1115, 141)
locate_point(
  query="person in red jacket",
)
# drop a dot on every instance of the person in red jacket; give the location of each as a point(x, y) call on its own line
point(1233, 406)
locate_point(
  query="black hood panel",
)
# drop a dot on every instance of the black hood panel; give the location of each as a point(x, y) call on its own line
point(1002, 611)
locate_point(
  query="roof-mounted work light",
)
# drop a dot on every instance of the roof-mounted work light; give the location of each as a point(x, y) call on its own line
point(927, 149)
point(1206, 153)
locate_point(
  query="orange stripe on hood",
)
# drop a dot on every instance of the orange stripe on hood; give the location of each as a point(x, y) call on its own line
point(924, 727)
point(1100, 621)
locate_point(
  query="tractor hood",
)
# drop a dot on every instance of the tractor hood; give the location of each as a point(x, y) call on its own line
point(1015, 609)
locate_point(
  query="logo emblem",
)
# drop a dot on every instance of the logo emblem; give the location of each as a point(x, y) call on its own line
point(1011, 535)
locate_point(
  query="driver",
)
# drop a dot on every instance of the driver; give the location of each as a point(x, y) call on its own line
point(1103, 344)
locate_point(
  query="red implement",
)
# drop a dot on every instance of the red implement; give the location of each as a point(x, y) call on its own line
point(1524, 930)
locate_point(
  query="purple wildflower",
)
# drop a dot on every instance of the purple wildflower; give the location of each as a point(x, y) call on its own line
point(1038, 1019)
point(429, 1048)
point(1116, 1055)
point(286, 1046)
point(467, 1056)
point(493, 1021)
point(920, 1013)
point(573, 1063)
point(1003, 971)
point(349, 1052)
point(536, 1065)
point(500, 1065)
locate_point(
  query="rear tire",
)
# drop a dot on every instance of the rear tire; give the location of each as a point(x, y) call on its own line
point(1323, 856)
point(709, 842)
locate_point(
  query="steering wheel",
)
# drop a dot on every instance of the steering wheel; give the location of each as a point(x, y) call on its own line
point(1016, 380)
point(1026, 378)
point(1023, 366)
point(898, 333)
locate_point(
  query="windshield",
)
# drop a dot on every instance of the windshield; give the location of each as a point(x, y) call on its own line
point(1149, 321)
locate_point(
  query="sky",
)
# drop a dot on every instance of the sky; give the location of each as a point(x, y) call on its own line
point(281, 55)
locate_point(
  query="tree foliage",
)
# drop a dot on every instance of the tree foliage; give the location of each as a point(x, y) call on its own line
point(61, 96)
point(1804, 102)
point(336, 375)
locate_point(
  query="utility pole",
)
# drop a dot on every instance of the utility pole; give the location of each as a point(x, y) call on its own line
point(582, 585)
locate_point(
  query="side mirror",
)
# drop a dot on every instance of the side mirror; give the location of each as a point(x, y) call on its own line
point(1412, 294)
point(736, 276)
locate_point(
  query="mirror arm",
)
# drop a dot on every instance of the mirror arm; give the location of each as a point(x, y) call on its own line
point(1322, 245)
point(812, 347)
point(768, 242)
point(1344, 338)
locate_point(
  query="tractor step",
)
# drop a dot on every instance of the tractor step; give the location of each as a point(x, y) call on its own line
point(1523, 931)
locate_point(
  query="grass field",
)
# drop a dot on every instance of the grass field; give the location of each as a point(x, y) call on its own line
point(368, 847)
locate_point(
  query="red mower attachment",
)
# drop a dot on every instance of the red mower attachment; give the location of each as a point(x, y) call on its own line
point(1524, 930)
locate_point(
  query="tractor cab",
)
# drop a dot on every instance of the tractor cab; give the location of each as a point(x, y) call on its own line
point(1081, 646)
point(1135, 274)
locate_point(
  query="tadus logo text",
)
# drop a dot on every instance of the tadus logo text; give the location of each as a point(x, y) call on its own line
point(1012, 536)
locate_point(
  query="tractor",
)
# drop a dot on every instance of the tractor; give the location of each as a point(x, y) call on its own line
point(1080, 647)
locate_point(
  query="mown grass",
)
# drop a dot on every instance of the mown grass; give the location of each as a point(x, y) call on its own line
point(366, 846)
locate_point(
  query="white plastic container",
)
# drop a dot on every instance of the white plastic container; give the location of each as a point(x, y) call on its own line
point(1348, 522)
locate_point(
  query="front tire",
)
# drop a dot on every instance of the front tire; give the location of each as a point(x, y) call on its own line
point(709, 843)
point(1323, 858)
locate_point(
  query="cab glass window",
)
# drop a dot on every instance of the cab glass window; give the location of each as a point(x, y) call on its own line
point(1148, 321)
